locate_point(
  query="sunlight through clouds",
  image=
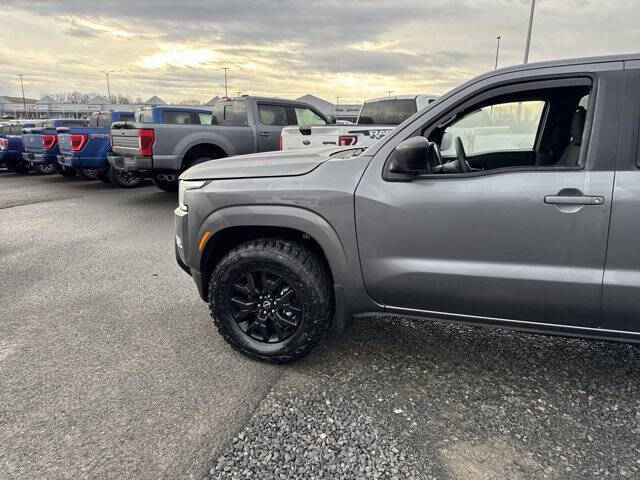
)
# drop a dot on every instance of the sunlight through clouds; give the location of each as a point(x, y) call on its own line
point(179, 56)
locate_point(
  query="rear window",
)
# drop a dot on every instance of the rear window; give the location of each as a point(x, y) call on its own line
point(230, 113)
point(273, 114)
point(387, 112)
point(176, 117)
point(73, 123)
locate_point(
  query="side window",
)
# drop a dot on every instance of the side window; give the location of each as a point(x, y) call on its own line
point(176, 117)
point(511, 126)
point(307, 117)
point(273, 114)
point(233, 113)
point(201, 118)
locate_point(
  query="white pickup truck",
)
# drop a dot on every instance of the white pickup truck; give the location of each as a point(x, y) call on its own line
point(378, 117)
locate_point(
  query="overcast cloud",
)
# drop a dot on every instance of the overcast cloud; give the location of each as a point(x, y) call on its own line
point(350, 48)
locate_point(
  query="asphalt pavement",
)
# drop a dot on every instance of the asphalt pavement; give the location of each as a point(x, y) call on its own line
point(110, 368)
point(109, 365)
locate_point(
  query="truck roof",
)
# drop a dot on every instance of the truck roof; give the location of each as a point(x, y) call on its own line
point(409, 96)
point(564, 62)
point(264, 99)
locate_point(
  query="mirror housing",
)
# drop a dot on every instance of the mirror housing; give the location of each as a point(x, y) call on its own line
point(415, 154)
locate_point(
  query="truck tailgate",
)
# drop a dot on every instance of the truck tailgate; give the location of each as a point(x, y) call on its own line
point(32, 142)
point(125, 141)
point(310, 137)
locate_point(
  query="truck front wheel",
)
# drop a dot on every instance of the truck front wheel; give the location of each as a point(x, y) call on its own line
point(271, 299)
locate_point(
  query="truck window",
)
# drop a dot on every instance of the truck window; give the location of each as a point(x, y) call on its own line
point(104, 120)
point(201, 118)
point(146, 116)
point(272, 114)
point(230, 113)
point(73, 123)
point(387, 112)
point(176, 117)
point(538, 128)
point(509, 126)
point(307, 117)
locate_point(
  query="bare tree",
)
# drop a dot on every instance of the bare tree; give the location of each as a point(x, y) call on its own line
point(191, 101)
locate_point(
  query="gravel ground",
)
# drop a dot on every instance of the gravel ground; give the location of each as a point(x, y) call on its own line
point(402, 398)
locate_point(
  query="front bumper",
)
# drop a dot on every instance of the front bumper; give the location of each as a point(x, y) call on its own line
point(181, 243)
point(130, 164)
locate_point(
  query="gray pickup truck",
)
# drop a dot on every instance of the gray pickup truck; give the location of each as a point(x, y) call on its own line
point(529, 223)
point(165, 141)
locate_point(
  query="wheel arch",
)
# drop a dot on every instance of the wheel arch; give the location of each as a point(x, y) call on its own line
point(202, 149)
point(233, 226)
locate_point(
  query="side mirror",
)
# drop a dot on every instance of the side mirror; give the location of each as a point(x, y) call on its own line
point(414, 154)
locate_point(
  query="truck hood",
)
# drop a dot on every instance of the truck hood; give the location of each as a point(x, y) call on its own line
point(269, 164)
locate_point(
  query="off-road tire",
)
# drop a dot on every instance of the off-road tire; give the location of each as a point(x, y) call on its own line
point(89, 173)
point(301, 269)
point(165, 186)
point(48, 169)
point(122, 179)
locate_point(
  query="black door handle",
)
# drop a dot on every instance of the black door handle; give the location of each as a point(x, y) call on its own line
point(265, 134)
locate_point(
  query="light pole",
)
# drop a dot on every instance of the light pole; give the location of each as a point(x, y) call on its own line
point(389, 92)
point(528, 44)
point(108, 86)
point(225, 82)
point(497, 51)
point(24, 102)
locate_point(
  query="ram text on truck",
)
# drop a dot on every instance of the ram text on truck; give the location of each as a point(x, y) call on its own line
point(377, 117)
point(535, 228)
point(175, 138)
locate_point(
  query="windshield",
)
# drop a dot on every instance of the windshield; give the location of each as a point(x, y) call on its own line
point(387, 112)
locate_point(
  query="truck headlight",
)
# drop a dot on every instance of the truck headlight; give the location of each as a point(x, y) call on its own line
point(185, 185)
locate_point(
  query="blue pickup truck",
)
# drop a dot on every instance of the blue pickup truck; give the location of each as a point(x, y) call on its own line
point(85, 149)
point(41, 145)
point(11, 147)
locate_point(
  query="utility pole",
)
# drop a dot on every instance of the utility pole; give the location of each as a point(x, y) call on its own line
point(389, 92)
point(238, 94)
point(225, 82)
point(497, 51)
point(528, 44)
point(24, 102)
point(108, 86)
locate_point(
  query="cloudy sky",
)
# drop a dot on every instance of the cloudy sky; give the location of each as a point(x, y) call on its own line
point(349, 48)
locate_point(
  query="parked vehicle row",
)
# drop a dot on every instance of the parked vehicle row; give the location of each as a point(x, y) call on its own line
point(168, 140)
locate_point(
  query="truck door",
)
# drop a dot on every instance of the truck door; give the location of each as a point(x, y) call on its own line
point(621, 296)
point(522, 236)
point(272, 118)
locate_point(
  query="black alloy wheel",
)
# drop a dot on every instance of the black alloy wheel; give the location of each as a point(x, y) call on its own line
point(264, 306)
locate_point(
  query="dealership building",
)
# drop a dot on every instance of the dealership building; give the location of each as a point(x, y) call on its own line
point(47, 107)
